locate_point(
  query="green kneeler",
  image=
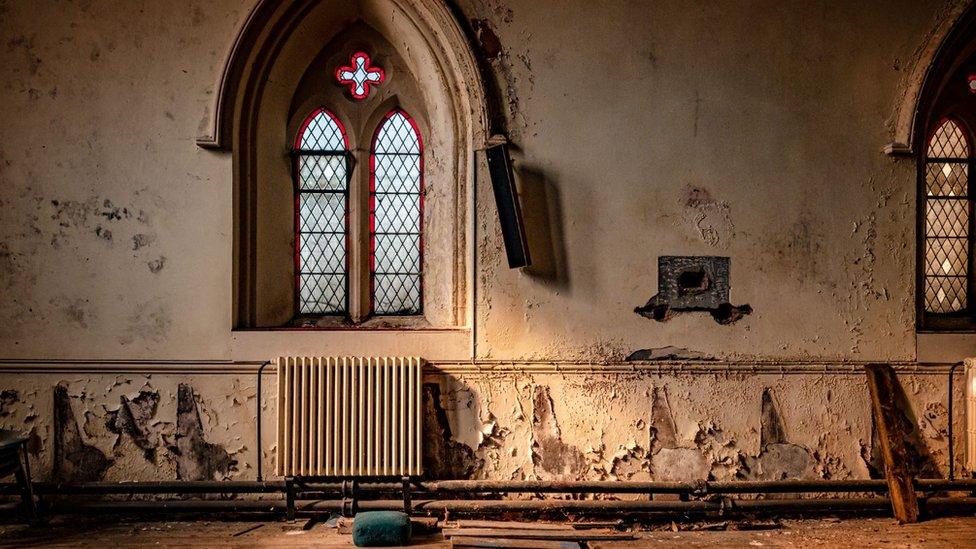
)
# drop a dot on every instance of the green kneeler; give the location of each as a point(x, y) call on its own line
point(381, 529)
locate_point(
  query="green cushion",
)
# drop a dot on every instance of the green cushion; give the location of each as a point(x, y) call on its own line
point(381, 529)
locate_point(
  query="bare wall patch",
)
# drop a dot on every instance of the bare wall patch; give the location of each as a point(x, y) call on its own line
point(444, 457)
point(549, 453)
point(197, 459)
point(74, 460)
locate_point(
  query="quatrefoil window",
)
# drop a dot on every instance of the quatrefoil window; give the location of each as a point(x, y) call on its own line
point(360, 75)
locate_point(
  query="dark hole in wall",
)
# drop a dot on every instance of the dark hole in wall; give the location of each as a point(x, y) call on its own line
point(693, 282)
point(490, 45)
point(8, 397)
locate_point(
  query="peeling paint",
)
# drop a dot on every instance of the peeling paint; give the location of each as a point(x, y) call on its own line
point(552, 457)
point(196, 458)
point(444, 457)
point(74, 459)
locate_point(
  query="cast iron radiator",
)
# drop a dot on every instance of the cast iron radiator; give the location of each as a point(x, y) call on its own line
point(349, 416)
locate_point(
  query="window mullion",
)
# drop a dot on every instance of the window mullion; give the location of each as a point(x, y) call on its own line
point(359, 237)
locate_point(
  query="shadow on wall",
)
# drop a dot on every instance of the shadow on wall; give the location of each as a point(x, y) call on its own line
point(543, 218)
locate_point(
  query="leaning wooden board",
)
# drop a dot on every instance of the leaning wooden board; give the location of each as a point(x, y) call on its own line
point(567, 535)
point(893, 430)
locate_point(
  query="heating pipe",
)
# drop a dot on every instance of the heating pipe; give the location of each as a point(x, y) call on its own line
point(260, 448)
point(952, 461)
point(471, 487)
point(464, 507)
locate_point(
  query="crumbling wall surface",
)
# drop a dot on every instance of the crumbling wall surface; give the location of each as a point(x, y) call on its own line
point(748, 132)
point(663, 130)
point(115, 427)
point(503, 425)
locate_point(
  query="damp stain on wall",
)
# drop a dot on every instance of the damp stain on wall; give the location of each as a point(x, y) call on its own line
point(196, 458)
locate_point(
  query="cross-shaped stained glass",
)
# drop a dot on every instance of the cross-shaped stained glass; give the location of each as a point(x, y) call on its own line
point(359, 75)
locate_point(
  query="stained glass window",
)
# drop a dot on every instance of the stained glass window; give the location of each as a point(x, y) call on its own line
point(321, 215)
point(396, 211)
point(947, 220)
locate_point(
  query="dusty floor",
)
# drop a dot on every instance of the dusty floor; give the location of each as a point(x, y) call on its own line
point(112, 532)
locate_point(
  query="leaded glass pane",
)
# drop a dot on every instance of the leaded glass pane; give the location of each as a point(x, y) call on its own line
point(947, 178)
point(322, 174)
point(946, 257)
point(949, 141)
point(944, 294)
point(323, 133)
point(397, 184)
point(947, 220)
point(322, 293)
point(947, 217)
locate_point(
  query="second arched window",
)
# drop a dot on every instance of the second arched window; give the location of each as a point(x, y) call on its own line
point(396, 204)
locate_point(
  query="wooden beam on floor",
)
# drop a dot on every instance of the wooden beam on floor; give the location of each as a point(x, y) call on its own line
point(893, 432)
point(538, 534)
point(507, 543)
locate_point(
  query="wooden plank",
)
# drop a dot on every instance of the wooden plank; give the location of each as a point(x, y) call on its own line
point(893, 431)
point(569, 535)
point(507, 524)
point(510, 543)
point(511, 524)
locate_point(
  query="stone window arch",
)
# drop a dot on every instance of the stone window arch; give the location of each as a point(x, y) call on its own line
point(282, 67)
point(942, 120)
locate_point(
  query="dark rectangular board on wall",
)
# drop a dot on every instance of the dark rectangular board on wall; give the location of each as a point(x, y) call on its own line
point(509, 209)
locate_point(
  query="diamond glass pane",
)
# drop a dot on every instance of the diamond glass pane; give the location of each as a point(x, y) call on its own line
point(322, 172)
point(949, 141)
point(322, 183)
point(319, 294)
point(396, 173)
point(946, 257)
point(947, 217)
point(322, 254)
point(945, 294)
point(396, 211)
point(402, 251)
point(322, 213)
point(322, 133)
point(396, 294)
point(397, 135)
point(947, 178)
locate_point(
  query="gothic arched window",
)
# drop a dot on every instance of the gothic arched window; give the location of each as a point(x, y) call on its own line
point(396, 207)
point(948, 220)
point(321, 215)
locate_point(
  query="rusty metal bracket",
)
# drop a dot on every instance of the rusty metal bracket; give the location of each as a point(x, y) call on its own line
point(290, 498)
point(407, 501)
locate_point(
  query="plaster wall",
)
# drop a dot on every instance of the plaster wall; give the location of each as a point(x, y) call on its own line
point(749, 130)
